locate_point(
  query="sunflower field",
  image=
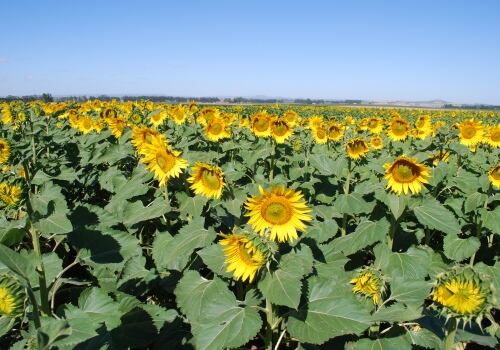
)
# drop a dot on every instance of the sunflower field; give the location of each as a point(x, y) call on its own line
point(138, 225)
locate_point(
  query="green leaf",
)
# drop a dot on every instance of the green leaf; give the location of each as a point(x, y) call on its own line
point(396, 204)
point(398, 343)
point(434, 215)
point(11, 232)
point(459, 249)
point(173, 253)
point(474, 201)
point(331, 310)
point(410, 292)
point(14, 261)
point(56, 223)
point(213, 257)
point(283, 286)
point(367, 233)
point(136, 212)
point(414, 264)
point(323, 163)
point(191, 206)
point(397, 312)
point(490, 219)
point(322, 231)
point(352, 204)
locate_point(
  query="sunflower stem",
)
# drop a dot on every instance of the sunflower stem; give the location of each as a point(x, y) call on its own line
point(40, 270)
point(451, 330)
point(273, 156)
point(392, 231)
point(347, 185)
point(270, 318)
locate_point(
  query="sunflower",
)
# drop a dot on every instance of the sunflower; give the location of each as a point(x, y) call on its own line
point(207, 180)
point(320, 134)
point(142, 135)
point(9, 194)
point(85, 124)
point(492, 136)
point(421, 134)
point(368, 284)
point(6, 114)
point(315, 121)
point(206, 114)
point(356, 148)
point(423, 122)
point(406, 174)
point(376, 142)
point(335, 131)
point(375, 125)
point(178, 114)
point(440, 156)
point(291, 118)
point(398, 129)
point(494, 175)
point(261, 124)
point(242, 257)
point(116, 125)
point(157, 118)
point(12, 297)
point(470, 132)
point(163, 162)
point(281, 130)
point(461, 294)
point(216, 129)
point(192, 108)
point(281, 210)
point(4, 151)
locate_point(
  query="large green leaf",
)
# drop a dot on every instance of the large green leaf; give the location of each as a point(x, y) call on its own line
point(459, 249)
point(173, 253)
point(434, 215)
point(367, 233)
point(331, 310)
point(413, 264)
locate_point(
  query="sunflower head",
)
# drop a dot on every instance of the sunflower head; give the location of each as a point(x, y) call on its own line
point(278, 213)
point(492, 136)
point(335, 131)
point(405, 175)
point(261, 124)
point(116, 126)
point(374, 125)
point(217, 129)
point(423, 122)
point(281, 130)
point(12, 297)
point(356, 148)
point(178, 114)
point(158, 117)
point(494, 175)
point(291, 118)
point(470, 132)
point(163, 162)
point(10, 194)
point(315, 121)
point(142, 135)
point(244, 257)
point(4, 151)
point(369, 283)
point(320, 134)
point(460, 293)
point(376, 142)
point(207, 180)
point(398, 129)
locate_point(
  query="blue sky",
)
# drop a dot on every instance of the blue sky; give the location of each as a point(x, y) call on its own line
point(381, 50)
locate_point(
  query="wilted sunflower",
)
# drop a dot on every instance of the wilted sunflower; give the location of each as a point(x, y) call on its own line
point(12, 297)
point(406, 174)
point(163, 162)
point(9, 194)
point(492, 136)
point(261, 124)
point(461, 294)
point(470, 132)
point(4, 151)
point(142, 135)
point(356, 148)
point(368, 284)
point(242, 257)
point(281, 210)
point(207, 180)
point(281, 130)
point(376, 142)
point(494, 176)
point(335, 131)
point(398, 129)
point(217, 129)
point(320, 134)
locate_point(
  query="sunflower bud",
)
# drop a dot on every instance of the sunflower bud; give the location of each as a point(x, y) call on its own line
point(12, 296)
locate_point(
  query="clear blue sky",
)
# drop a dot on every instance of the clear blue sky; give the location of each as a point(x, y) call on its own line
point(383, 50)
